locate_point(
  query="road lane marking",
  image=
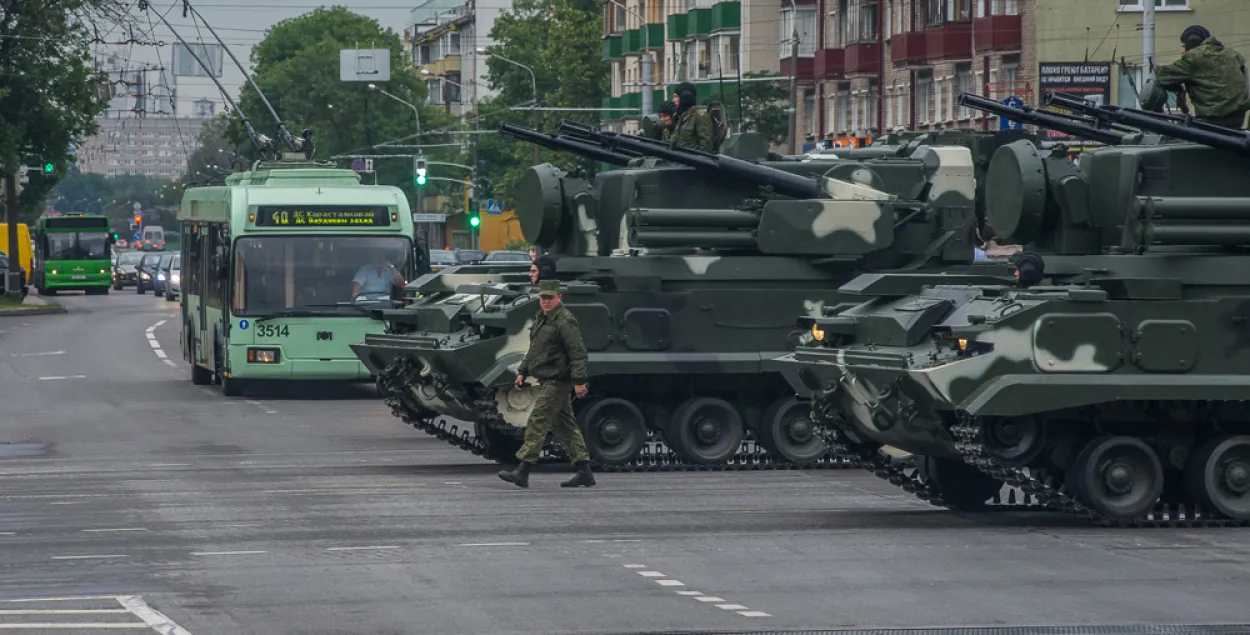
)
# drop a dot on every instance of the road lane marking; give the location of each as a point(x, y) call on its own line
point(362, 548)
point(36, 354)
point(226, 553)
point(691, 593)
point(118, 529)
point(52, 377)
point(171, 465)
point(161, 354)
point(493, 544)
point(171, 363)
point(710, 598)
point(54, 625)
point(651, 574)
point(155, 326)
point(666, 581)
point(669, 583)
point(154, 343)
point(87, 557)
point(65, 598)
point(61, 611)
point(151, 617)
point(635, 566)
point(731, 607)
point(8, 533)
point(753, 614)
point(70, 503)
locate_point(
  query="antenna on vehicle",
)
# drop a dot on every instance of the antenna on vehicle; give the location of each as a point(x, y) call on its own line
point(264, 145)
point(305, 143)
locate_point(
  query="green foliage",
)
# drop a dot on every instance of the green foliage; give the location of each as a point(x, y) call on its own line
point(763, 106)
point(113, 196)
point(214, 154)
point(560, 41)
point(297, 67)
point(50, 94)
point(516, 244)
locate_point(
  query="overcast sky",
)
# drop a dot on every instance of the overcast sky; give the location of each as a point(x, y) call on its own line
point(240, 24)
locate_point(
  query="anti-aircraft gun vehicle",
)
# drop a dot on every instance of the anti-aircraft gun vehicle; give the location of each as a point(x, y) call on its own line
point(684, 279)
point(1110, 381)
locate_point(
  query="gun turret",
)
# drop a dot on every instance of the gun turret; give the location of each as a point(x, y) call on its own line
point(1041, 118)
point(564, 144)
point(1228, 139)
point(785, 183)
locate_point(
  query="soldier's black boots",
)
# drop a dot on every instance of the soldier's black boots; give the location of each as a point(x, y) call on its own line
point(583, 478)
point(519, 476)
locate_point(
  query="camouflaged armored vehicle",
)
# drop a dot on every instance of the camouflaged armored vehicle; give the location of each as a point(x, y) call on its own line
point(684, 279)
point(1110, 382)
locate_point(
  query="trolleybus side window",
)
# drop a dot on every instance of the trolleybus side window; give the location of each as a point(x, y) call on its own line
point(213, 283)
point(191, 244)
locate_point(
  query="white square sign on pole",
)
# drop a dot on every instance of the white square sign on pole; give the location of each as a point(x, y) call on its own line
point(365, 65)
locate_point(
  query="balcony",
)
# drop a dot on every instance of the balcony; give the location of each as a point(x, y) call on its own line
point(653, 37)
point(633, 41)
point(613, 47)
point(908, 49)
point(998, 33)
point(699, 22)
point(449, 64)
point(805, 68)
point(950, 41)
point(677, 26)
point(829, 63)
point(863, 58)
point(726, 16)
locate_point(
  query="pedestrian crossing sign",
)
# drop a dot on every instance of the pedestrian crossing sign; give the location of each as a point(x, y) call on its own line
point(493, 206)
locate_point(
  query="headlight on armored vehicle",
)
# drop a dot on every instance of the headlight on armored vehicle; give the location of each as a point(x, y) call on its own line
point(818, 333)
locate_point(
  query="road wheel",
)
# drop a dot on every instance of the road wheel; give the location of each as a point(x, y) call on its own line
point(787, 432)
point(614, 430)
point(706, 430)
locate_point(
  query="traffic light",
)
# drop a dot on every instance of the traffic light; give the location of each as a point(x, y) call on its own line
point(138, 219)
point(420, 170)
point(475, 219)
point(49, 168)
point(116, 236)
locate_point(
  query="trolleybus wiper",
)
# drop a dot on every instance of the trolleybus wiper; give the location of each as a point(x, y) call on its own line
point(289, 313)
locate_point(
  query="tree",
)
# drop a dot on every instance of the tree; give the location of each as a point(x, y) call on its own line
point(560, 41)
point(50, 94)
point(214, 156)
point(297, 68)
point(763, 106)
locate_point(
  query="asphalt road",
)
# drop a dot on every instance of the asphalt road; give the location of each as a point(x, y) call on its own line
point(132, 500)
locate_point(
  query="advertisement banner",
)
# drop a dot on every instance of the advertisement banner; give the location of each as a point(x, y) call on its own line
point(1088, 80)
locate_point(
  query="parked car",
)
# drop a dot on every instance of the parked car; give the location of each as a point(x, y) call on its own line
point(441, 259)
point(469, 256)
point(173, 279)
point(506, 256)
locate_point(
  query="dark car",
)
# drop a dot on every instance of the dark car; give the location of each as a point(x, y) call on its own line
point(469, 256)
point(126, 269)
point(506, 256)
point(441, 259)
point(4, 274)
point(162, 273)
point(147, 269)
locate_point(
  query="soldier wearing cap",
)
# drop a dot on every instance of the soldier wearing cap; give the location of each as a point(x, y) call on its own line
point(557, 359)
point(1211, 74)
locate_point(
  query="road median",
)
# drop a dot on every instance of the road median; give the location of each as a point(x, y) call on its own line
point(32, 305)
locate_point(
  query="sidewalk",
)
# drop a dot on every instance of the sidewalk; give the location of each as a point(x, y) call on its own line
point(31, 305)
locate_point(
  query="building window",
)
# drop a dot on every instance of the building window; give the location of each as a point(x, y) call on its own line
point(844, 108)
point(831, 31)
point(1160, 5)
point(870, 103)
point(831, 113)
point(1005, 7)
point(453, 44)
point(806, 28)
point(809, 111)
point(705, 59)
point(924, 96)
point(868, 22)
point(734, 42)
point(939, 12)
point(963, 84)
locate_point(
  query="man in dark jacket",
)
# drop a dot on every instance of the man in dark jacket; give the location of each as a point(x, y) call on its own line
point(1212, 75)
point(557, 359)
point(694, 126)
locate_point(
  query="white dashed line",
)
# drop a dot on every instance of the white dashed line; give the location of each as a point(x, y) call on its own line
point(36, 354)
point(226, 553)
point(170, 362)
point(61, 611)
point(53, 377)
point(118, 529)
point(8, 533)
point(362, 548)
point(150, 616)
point(52, 625)
point(155, 344)
point(161, 354)
point(493, 544)
point(88, 557)
point(156, 326)
point(64, 598)
point(719, 602)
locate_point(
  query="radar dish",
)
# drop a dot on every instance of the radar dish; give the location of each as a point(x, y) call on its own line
point(1015, 192)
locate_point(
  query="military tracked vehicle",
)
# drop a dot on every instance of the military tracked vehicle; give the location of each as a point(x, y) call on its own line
point(1110, 381)
point(684, 279)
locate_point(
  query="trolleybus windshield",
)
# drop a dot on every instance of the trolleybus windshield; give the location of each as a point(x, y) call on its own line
point(314, 274)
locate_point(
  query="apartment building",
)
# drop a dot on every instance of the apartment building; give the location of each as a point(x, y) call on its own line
point(442, 39)
point(710, 44)
point(150, 146)
point(884, 64)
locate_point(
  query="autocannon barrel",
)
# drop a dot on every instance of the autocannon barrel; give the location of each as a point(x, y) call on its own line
point(1210, 135)
point(1194, 208)
point(1040, 118)
point(721, 218)
point(563, 144)
point(709, 239)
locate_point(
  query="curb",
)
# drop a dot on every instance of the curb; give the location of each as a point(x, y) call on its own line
point(34, 310)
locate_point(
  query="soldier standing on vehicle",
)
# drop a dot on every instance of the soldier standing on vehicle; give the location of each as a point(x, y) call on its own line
point(667, 110)
point(1212, 75)
point(557, 359)
point(694, 126)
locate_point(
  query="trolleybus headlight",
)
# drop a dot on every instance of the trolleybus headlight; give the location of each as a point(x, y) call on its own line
point(262, 355)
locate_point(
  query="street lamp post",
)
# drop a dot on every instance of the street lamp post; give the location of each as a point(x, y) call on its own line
point(470, 192)
point(533, 87)
point(417, 116)
point(648, 63)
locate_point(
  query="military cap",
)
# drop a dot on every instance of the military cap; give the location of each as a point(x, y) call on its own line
point(548, 288)
point(1194, 35)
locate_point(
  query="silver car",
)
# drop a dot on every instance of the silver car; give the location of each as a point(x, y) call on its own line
point(173, 286)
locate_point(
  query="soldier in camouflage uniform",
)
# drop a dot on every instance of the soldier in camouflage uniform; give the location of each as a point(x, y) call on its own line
point(557, 359)
point(694, 126)
point(1213, 76)
point(667, 111)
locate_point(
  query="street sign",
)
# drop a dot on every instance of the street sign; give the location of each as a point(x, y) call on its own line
point(365, 65)
point(494, 207)
point(138, 236)
point(1007, 124)
point(429, 218)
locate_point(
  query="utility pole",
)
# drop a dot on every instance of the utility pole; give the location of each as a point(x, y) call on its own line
point(1147, 41)
point(13, 284)
point(794, 89)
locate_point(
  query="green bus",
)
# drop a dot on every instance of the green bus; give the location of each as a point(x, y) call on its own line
point(270, 262)
point(73, 252)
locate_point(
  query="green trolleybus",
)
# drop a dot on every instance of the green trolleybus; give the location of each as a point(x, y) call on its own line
point(73, 252)
point(280, 269)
